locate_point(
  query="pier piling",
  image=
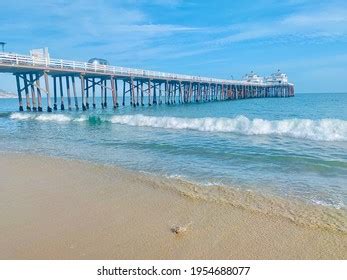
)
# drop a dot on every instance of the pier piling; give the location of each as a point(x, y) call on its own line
point(123, 101)
point(93, 93)
point(137, 92)
point(105, 93)
point(141, 93)
point(49, 107)
point(74, 92)
point(84, 108)
point(62, 107)
point(55, 94)
point(68, 92)
point(149, 93)
point(33, 96)
point(114, 98)
point(132, 93)
point(87, 93)
point(38, 90)
point(19, 91)
point(26, 89)
point(102, 93)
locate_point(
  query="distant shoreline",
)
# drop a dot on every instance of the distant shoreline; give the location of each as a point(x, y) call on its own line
point(8, 97)
point(6, 94)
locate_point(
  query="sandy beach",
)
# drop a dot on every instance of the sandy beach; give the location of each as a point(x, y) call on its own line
point(52, 208)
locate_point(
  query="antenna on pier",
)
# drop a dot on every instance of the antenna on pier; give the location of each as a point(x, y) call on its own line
point(2, 44)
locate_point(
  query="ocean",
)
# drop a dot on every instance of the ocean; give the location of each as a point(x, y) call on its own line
point(293, 148)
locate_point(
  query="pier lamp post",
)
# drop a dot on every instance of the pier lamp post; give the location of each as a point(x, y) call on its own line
point(2, 44)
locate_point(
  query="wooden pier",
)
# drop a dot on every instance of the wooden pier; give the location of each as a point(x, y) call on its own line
point(139, 87)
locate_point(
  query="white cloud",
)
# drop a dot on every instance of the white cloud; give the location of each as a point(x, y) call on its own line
point(324, 23)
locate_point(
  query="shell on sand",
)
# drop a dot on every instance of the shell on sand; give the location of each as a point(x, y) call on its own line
point(180, 229)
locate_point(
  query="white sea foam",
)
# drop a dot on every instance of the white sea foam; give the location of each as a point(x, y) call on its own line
point(319, 130)
point(81, 119)
point(40, 117)
point(327, 203)
point(53, 118)
point(20, 116)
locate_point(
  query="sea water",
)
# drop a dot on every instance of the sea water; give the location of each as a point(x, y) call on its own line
point(288, 147)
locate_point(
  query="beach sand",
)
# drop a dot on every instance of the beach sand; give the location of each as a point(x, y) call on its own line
point(52, 208)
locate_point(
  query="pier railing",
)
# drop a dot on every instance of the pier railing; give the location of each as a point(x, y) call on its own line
point(70, 65)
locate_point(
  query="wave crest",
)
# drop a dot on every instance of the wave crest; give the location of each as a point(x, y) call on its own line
point(319, 130)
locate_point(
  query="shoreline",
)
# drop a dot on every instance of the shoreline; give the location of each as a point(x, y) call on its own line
point(300, 212)
point(71, 209)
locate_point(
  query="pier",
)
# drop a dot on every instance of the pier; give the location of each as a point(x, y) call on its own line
point(136, 87)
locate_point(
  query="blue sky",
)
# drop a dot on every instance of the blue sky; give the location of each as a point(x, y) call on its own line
point(305, 39)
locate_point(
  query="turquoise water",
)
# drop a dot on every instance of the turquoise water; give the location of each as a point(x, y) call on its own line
point(291, 147)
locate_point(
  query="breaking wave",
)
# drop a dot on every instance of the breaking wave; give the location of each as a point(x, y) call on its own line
point(40, 117)
point(317, 130)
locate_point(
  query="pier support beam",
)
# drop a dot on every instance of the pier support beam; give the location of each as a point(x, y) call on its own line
point(194, 93)
point(198, 87)
point(209, 92)
point(55, 94)
point(93, 93)
point(26, 89)
point(212, 92)
point(154, 93)
point(132, 93)
point(205, 93)
point(68, 92)
point(105, 92)
point(87, 93)
point(166, 91)
point(174, 92)
point(114, 98)
point(137, 92)
point(32, 88)
point(62, 107)
point(49, 107)
point(216, 92)
point(74, 92)
point(116, 91)
point(180, 99)
point(102, 93)
point(169, 94)
point(19, 91)
point(201, 98)
point(123, 102)
point(190, 93)
point(159, 86)
point(149, 93)
point(142, 104)
point(84, 108)
point(38, 90)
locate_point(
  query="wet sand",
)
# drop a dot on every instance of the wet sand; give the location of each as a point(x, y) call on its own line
point(52, 208)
